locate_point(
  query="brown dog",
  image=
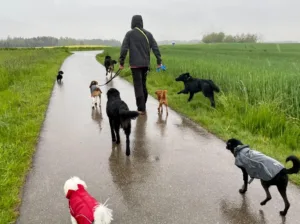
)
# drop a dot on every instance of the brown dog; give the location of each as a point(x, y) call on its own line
point(95, 93)
point(162, 98)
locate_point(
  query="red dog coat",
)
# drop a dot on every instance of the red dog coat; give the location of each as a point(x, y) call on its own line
point(82, 205)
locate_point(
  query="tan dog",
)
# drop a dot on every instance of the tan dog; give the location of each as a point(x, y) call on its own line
point(95, 93)
point(162, 98)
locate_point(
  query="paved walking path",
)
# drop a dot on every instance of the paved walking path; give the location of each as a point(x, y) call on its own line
point(177, 172)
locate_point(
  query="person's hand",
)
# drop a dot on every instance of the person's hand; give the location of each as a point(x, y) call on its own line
point(121, 67)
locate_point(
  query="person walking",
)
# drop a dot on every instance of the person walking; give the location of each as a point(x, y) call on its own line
point(139, 42)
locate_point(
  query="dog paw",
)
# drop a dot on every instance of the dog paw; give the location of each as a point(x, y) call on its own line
point(242, 191)
point(113, 140)
point(263, 203)
point(93, 107)
point(127, 153)
point(282, 213)
point(118, 142)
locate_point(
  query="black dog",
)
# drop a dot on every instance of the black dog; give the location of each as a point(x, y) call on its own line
point(195, 85)
point(269, 171)
point(119, 115)
point(109, 64)
point(59, 76)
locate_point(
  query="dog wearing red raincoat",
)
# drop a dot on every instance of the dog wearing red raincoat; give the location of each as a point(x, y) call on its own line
point(83, 207)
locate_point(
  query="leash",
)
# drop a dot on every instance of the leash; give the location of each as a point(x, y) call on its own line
point(116, 74)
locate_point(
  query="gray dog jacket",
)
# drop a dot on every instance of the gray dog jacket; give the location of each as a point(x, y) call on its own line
point(256, 164)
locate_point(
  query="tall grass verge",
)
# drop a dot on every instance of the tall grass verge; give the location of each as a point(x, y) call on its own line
point(260, 87)
point(26, 80)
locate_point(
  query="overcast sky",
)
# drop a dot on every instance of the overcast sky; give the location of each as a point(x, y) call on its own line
point(276, 20)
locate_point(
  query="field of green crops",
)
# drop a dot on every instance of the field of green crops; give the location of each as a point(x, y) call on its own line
point(259, 101)
point(26, 80)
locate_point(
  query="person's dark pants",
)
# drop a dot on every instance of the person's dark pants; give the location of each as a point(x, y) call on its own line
point(139, 76)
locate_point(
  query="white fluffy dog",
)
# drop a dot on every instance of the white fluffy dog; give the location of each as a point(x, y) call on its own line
point(84, 208)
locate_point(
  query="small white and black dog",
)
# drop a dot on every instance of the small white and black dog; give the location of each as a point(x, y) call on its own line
point(95, 93)
point(85, 209)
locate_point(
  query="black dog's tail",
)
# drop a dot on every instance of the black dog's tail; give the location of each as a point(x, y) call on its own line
point(127, 114)
point(296, 165)
point(214, 86)
point(125, 117)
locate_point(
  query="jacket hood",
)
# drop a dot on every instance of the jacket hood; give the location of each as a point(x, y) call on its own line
point(239, 148)
point(137, 21)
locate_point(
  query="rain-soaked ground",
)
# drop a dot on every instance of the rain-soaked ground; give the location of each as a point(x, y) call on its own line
point(177, 172)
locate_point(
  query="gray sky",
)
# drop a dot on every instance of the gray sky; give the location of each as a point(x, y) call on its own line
point(276, 20)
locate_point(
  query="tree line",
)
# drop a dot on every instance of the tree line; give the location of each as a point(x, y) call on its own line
point(48, 41)
point(223, 38)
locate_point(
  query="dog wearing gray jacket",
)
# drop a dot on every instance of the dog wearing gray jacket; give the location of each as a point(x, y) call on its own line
point(259, 166)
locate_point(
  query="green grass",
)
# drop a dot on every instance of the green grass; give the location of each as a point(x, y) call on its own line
point(26, 80)
point(259, 101)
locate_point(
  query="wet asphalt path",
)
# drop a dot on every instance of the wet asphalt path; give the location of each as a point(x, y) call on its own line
point(177, 172)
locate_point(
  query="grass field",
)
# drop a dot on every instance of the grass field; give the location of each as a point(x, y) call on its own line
point(259, 101)
point(26, 80)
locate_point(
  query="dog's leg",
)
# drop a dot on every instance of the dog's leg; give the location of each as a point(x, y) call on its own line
point(191, 96)
point(96, 100)
point(282, 191)
point(266, 187)
point(159, 106)
point(245, 179)
point(93, 102)
point(212, 101)
point(100, 100)
point(127, 131)
point(73, 220)
point(113, 137)
point(117, 130)
point(167, 108)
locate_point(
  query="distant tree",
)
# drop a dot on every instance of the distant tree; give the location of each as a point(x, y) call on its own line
point(213, 38)
point(222, 38)
point(47, 41)
point(229, 39)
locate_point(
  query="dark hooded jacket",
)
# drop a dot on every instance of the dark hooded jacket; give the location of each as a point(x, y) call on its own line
point(138, 45)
